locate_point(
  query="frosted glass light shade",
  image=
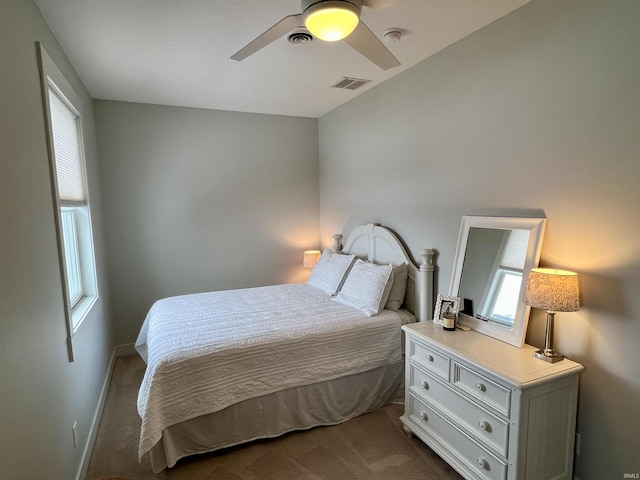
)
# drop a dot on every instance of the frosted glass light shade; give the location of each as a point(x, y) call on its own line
point(553, 290)
point(311, 257)
point(331, 21)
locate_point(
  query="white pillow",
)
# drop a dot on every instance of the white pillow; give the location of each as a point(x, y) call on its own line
point(330, 271)
point(366, 287)
point(399, 287)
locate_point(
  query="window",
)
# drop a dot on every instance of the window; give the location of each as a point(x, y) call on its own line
point(77, 244)
point(72, 255)
point(71, 199)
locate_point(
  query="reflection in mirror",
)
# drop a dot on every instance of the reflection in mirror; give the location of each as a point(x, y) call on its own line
point(493, 259)
point(492, 274)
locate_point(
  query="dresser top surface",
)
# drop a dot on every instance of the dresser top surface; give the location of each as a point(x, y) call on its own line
point(516, 365)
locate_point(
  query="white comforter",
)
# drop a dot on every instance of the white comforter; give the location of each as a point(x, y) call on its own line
point(207, 351)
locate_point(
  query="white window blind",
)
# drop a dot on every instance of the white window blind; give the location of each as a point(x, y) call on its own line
point(516, 250)
point(66, 144)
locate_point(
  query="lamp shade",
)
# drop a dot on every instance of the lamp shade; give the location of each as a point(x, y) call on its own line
point(311, 257)
point(553, 290)
point(331, 20)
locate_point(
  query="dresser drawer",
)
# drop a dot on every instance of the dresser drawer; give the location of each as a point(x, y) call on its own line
point(432, 360)
point(480, 461)
point(487, 391)
point(484, 426)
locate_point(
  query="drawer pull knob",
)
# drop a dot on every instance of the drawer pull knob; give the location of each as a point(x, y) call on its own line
point(484, 426)
point(424, 384)
point(423, 416)
point(482, 463)
point(430, 358)
point(480, 387)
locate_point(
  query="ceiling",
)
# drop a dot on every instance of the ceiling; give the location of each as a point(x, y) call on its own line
point(177, 52)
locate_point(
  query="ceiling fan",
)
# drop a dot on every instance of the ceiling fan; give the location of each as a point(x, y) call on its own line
point(331, 20)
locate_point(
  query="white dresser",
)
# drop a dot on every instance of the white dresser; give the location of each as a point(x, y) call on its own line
point(491, 410)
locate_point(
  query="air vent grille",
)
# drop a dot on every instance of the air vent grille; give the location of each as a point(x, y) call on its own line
point(348, 83)
point(300, 37)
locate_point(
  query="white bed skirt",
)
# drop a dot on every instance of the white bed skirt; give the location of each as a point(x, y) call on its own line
point(299, 408)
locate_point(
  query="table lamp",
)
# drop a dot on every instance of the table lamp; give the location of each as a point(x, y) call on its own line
point(311, 257)
point(554, 291)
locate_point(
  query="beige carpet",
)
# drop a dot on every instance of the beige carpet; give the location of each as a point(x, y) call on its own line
point(370, 447)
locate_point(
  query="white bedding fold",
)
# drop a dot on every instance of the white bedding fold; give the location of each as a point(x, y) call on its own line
point(207, 351)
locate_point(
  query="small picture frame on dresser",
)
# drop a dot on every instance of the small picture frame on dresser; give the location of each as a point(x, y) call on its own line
point(445, 304)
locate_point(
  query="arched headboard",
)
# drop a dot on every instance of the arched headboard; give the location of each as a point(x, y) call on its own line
point(380, 245)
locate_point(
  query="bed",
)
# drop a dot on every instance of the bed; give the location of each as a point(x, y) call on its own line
point(225, 368)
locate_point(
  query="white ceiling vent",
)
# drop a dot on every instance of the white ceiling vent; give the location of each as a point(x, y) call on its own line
point(301, 36)
point(350, 83)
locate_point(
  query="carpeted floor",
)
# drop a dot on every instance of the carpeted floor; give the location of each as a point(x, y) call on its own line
point(370, 447)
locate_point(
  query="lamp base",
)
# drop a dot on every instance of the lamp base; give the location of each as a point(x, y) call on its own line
point(548, 355)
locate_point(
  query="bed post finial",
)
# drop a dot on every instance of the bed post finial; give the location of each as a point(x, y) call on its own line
point(337, 242)
point(427, 259)
point(425, 311)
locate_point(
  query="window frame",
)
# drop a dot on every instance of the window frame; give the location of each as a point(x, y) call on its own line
point(77, 308)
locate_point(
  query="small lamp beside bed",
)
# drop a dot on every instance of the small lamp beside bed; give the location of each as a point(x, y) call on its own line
point(311, 257)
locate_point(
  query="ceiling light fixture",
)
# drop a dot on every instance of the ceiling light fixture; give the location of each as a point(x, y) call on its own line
point(331, 20)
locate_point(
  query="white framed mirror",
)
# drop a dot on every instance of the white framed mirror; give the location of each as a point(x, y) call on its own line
point(493, 259)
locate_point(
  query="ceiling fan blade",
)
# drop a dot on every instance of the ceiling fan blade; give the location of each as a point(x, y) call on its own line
point(281, 28)
point(367, 44)
point(379, 4)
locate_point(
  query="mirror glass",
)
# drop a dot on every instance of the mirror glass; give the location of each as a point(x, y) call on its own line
point(493, 260)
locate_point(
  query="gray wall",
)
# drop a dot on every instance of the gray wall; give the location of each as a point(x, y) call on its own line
point(537, 113)
point(201, 200)
point(41, 393)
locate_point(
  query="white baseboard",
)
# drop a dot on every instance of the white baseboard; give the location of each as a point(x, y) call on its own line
point(118, 351)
